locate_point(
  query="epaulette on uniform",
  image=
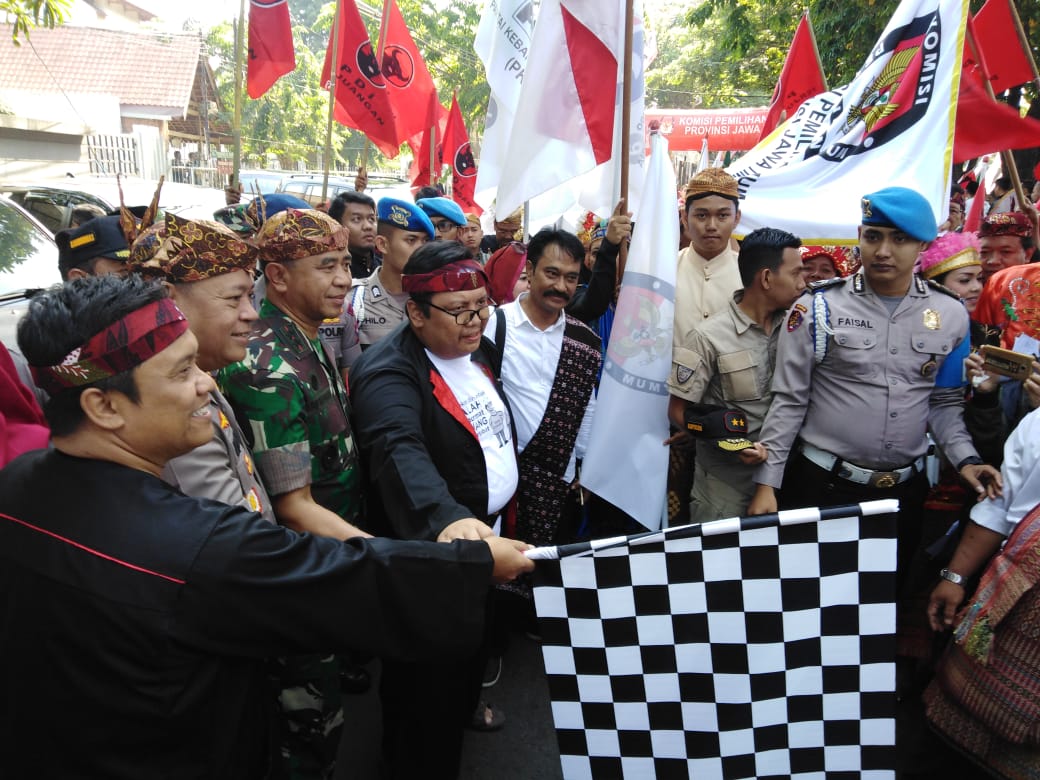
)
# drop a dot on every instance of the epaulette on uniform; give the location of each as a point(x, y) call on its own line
point(823, 284)
point(941, 288)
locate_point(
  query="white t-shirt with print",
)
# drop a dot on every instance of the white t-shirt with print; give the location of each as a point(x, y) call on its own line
point(488, 415)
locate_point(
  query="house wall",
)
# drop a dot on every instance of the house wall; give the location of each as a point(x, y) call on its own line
point(33, 154)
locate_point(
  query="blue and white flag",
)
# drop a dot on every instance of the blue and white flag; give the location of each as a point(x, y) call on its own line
point(893, 124)
point(626, 462)
point(755, 647)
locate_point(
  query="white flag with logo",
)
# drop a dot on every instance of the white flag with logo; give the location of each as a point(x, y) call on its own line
point(892, 125)
point(502, 43)
point(626, 462)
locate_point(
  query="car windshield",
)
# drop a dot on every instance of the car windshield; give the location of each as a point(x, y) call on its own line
point(28, 256)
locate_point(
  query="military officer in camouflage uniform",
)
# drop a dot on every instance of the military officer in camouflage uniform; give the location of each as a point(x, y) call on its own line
point(289, 390)
point(865, 365)
point(377, 303)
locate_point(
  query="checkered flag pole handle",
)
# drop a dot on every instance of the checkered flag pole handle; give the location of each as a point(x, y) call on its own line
point(717, 527)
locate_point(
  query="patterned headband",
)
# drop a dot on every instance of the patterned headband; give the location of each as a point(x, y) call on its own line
point(297, 233)
point(453, 277)
point(189, 250)
point(124, 344)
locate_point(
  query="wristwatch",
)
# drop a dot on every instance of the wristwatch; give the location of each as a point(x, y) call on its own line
point(952, 576)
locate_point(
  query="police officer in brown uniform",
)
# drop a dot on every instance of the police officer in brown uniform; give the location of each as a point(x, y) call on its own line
point(865, 366)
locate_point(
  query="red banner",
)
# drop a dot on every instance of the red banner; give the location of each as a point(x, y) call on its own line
point(361, 96)
point(271, 53)
point(727, 129)
point(412, 92)
point(455, 151)
point(800, 79)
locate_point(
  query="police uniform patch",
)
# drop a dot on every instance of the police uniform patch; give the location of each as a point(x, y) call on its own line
point(254, 500)
point(398, 216)
point(682, 374)
point(932, 320)
point(801, 308)
point(224, 422)
point(795, 320)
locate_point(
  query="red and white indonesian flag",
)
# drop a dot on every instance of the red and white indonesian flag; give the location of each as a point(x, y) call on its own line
point(892, 125)
point(565, 119)
point(626, 462)
point(502, 43)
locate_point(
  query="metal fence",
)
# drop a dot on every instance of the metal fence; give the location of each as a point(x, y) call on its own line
point(112, 154)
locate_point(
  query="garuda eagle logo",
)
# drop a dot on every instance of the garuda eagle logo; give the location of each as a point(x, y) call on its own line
point(877, 101)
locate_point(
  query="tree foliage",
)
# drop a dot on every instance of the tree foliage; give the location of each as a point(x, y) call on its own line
point(23, 15)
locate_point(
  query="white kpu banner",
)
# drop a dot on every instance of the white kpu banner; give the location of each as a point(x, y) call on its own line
point(892, 125)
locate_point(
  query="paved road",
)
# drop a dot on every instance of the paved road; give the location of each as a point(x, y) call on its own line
point(525, 748)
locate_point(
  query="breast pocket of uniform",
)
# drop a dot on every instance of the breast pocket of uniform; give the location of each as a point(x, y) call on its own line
point(854, 352)
point(739, 376)
point(932, 347)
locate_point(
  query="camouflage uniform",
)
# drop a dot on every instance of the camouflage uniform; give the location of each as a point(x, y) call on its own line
point(293, 398)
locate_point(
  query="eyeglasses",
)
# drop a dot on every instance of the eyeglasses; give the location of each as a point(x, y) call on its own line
point(444, 225)
point(466, 316)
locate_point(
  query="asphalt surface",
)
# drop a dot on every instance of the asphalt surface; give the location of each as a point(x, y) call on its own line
point(525, 748)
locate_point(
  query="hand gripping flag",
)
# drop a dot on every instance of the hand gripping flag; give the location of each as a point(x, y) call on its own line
point(893, 124)
point(457, 153)
point(801, 78)
point(755, 647)
point(271, 53)
point(632, 405)
point(411, 89)
point(361, 96)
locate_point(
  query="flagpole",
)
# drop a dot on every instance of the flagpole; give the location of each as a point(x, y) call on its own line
point(236, 129)
point(626, 126)
point(816, 49)
point(1024, 42)
point(433, 155)
point(333, 78)
point(1006, 159)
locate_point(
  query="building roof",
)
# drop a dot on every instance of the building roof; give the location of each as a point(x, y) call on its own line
point(140, 68)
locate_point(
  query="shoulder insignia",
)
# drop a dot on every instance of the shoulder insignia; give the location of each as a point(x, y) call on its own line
point(941, 288)
point(823, 284)
point(859, 285)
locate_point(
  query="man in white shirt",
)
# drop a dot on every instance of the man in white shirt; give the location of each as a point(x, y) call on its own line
point(550, 364)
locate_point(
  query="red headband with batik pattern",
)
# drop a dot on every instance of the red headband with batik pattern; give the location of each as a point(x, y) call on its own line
point(123, 345)
point(453, 277)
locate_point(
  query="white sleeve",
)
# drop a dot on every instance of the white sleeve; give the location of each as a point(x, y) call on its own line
point(1021, 473)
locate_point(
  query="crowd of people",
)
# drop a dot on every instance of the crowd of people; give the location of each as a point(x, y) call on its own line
point(296, 453)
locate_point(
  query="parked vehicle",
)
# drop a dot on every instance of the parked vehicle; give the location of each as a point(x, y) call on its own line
point(308, 187)
point(28, 264)
point(52, 201)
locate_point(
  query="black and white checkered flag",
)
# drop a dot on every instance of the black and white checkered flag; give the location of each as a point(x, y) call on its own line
point(755, 647)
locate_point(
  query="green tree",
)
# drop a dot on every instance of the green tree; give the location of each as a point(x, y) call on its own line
point(23, 15)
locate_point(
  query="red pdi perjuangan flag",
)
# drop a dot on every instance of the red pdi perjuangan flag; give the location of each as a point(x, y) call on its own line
point(271, 53)
point(409, 84)
point(455, 150)
point(362, 101)
point(801, 78)
point(419, 172)
point(997, 34)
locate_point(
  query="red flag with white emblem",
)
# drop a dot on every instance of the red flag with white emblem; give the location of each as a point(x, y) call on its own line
point(411, 89)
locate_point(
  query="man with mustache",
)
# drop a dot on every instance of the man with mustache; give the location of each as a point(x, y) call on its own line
point(550, 362)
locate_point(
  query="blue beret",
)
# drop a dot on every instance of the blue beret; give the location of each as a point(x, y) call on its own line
point(442, 207)
point(277, 202)
point(900, 208)
point(404, 215)
point(98, 237)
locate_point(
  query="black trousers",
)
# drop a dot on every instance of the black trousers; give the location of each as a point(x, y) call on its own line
point(806, 484)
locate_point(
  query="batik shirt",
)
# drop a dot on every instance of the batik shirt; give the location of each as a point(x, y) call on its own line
point(288, 389)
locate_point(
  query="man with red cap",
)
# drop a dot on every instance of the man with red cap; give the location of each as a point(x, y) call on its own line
point(1009, 298)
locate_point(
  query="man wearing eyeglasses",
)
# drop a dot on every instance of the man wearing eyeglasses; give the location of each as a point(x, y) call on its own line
point(445, 215)
point(436, 441)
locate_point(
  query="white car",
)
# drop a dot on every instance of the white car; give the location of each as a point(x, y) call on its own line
point(51, 201)
point(28, 264)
